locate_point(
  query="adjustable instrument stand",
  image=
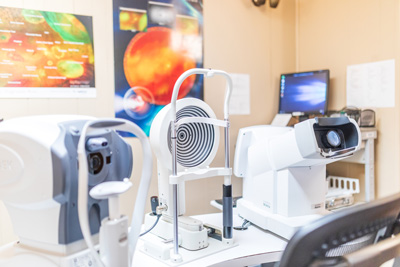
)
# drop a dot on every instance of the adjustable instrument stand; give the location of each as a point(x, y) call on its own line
point(176, 177)
point(184, 231)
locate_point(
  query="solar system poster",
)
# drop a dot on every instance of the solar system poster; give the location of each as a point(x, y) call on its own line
point(45, 54)
point(154, 43)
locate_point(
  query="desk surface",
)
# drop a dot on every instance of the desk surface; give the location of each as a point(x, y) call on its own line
point(255, 246)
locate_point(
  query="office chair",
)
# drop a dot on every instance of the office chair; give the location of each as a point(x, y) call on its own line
point(364, 235)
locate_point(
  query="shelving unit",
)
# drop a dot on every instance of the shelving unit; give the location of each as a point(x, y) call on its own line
point(366, 156)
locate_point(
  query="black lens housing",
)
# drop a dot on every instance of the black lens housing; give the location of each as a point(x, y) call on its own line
point(96, 163)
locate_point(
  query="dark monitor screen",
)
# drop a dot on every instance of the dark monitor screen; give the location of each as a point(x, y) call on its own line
point(305, 92)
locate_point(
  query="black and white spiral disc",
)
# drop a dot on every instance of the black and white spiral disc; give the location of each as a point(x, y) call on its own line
point(195, 141)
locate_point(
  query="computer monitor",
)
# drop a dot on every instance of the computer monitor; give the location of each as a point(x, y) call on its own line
point(304, 92)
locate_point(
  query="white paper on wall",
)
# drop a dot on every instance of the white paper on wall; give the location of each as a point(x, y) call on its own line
point(371, 84)
point(240, 98)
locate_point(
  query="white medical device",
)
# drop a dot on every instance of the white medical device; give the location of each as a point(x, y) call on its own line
point(185, 137)
point(39, 187)
point(284, 170)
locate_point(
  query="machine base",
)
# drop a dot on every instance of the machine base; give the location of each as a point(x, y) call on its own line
point(192, 234)
point(156, 247)
point(278, 224)
point(158, 243)
point(15, 255)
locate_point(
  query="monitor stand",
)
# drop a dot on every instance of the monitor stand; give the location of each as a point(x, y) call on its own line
point(303, 118)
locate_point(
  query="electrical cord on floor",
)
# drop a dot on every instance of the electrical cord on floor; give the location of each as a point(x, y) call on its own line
point(151, 228)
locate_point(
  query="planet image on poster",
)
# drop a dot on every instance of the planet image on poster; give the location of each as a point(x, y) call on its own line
point(135, 105)
point(133, 20)
point(154, 60)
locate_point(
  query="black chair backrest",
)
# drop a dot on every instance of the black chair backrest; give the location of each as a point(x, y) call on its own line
point(324, 241)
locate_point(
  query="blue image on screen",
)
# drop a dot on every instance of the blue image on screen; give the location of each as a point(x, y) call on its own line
point(304, 92)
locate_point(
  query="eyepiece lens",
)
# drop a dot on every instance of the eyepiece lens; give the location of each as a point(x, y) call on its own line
point(96, 163)
point(333, 138)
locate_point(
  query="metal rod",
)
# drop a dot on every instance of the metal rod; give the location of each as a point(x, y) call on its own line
point(173, 146)
point(227, 144)
point(175, 196)
point(175, 187)
point(227, 208)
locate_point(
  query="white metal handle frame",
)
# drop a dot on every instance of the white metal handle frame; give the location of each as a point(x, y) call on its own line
point(227, 187)
point(138, 213)
point(207, 73)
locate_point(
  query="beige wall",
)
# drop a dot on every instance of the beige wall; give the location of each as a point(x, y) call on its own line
point(241, 38)
point(336, 33)
point(238, 38)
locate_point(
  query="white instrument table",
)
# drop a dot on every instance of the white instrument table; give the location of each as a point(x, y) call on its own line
point(255, 246)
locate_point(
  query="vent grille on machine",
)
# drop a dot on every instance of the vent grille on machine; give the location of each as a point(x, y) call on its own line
point(195, 141)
